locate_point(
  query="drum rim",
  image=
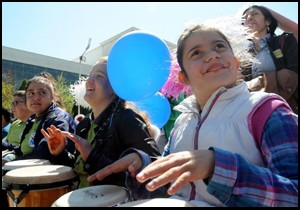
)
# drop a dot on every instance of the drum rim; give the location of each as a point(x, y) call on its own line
point(137, 203)
point(67, 174)
point(40, 186)
point(10, 165)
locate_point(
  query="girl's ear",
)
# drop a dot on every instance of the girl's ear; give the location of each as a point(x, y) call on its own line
point(183, 78)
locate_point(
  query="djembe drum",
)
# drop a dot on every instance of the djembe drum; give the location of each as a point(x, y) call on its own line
point(38, 185)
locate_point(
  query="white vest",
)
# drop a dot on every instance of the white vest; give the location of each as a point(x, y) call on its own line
point(225, 126)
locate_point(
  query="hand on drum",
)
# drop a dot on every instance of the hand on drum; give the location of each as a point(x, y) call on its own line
point(55, 139)
point(181, 167)
point(131, 162)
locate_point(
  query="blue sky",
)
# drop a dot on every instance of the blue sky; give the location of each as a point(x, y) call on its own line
point(62, 30)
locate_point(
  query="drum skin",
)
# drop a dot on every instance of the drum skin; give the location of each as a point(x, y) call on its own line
point(23, 163)
point(93, 196)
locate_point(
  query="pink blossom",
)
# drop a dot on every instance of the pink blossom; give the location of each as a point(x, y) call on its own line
point(173, 87)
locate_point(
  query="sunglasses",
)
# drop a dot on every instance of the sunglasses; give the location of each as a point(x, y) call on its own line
point(15, 103)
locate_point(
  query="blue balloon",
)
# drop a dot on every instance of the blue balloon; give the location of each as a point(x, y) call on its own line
point(157, 107)
point(138, 65)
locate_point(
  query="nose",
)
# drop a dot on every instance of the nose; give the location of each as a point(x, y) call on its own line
point(36, 96)
point(248, 18)
point(90, 78)
point(211, 55)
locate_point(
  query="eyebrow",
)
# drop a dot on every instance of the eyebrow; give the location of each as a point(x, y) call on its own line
point(252, 11)
point(197, 46)
point(214, 42)
point(98, 73)
point(38, 89)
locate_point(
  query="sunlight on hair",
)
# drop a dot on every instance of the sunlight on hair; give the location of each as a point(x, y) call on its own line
point(238, 35)
point(244, 7)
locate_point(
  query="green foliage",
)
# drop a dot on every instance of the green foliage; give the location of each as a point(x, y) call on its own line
point(7, 94)
point(62, 87)
point(65, 93)
point(83, 110)
point(23, 85)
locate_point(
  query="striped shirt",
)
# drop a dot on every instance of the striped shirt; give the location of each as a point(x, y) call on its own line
point(238, 183)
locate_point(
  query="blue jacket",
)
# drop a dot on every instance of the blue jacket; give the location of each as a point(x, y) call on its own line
point(58, 117)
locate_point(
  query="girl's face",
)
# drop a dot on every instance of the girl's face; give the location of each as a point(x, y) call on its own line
point(98, 88)
point(38, 97)
point(209, 62)
point(19, 108)
point(255, 20)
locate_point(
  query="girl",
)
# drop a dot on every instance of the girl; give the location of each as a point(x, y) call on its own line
point(104, 135)
point(211, 158)
point(277, 69)
point(40, 99)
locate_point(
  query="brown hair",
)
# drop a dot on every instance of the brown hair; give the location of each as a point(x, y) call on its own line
point(20, 93)
point(144, 115)
point(43, 80)
point(268, 16)
point(57, 96)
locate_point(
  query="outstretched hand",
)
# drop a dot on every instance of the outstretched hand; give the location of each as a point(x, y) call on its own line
point(181, 167)
point(81, 144)
point(131, 162)
point(56, 139)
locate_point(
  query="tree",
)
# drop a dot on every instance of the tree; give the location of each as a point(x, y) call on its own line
point(7, 89)
point(23, 85)
point(64, 90)
point(7, 96)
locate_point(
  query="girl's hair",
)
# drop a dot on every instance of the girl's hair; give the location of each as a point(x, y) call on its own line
point(57, 96)
point(20, 93)
point(130, 105)
point(186, 34)
point(144, 115)
point(6, 113)
point(268, 16)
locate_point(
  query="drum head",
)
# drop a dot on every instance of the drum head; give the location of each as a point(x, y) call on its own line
point(43, 174)
point(158, 202)
point(24, 163)
point(94, 196)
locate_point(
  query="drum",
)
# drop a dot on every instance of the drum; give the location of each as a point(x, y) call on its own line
point(23, 163)
point(94, 196)
point(38, 185)
point(158, 202)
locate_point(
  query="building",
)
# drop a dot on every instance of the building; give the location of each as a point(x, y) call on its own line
point(18, 65)
point(104, 48)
